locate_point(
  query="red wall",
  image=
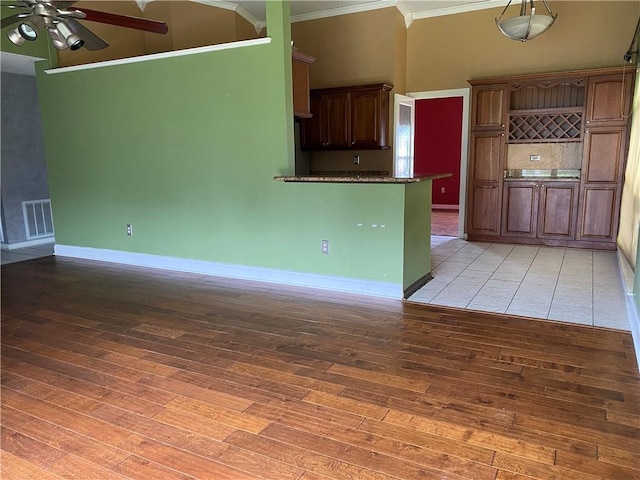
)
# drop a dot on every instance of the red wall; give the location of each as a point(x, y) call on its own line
point(437, 145)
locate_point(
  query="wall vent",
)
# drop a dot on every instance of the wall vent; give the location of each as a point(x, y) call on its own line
point(38, 220)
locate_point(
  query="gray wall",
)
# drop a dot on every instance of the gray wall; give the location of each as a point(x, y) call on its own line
point(23, 169)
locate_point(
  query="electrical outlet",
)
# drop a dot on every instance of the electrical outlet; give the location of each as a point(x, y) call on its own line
point(441, 189)
point(534, 158)
point(325, 247)
point(129, 229)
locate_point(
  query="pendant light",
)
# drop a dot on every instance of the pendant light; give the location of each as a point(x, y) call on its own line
point(528, 24)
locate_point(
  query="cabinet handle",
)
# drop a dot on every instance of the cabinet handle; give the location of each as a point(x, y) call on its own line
point(588, 121)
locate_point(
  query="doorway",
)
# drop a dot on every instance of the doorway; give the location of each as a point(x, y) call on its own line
point(441, 144)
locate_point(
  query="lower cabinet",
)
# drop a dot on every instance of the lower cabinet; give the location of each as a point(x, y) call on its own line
point(485, 209)
point(599, 211)
point(535, 209)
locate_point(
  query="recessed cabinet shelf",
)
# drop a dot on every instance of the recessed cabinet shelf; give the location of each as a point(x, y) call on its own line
point(560, 125)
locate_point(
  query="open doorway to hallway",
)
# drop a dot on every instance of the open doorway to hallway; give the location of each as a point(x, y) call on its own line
point(441, 144)
point(444, 222)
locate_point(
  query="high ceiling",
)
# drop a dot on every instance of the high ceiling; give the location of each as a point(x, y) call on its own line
point(254, 10)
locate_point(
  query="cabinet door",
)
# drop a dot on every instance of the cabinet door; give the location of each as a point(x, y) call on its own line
point(300, 81)
point(336, 107)
point(599, 213)
point(487, 152)
point(520, 209)
point(368, 129)
point(489, 107)
point(313, 129)
point(604, 154)
point(484, 209)
point(609, 99)
point(557, 211)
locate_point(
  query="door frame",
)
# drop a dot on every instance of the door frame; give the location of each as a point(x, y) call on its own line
point(465, 93)
point(399, 99)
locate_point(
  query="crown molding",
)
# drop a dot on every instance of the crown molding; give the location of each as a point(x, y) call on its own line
point(406, 13)
point(468, 7)
point(365, 7)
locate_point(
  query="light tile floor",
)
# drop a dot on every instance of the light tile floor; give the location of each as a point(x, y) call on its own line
point(554, 283)
point(27, 253)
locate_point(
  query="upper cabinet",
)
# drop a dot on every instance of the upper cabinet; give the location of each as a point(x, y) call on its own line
point(300, 79)
point(609, 99)
point(347, 118)
point(489, 107)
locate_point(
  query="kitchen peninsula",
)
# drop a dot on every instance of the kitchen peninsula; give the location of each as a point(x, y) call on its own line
point(373, 225)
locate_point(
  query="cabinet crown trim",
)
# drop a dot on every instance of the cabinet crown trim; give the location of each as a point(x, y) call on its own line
point(353, 88)
point(570, 75)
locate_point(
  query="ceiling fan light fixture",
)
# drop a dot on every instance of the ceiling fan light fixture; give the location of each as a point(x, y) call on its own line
point(73, 41)
point(25, 31)
point(528, 24)
point(57, 40)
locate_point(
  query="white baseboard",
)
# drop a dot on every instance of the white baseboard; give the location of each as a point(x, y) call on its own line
point(634, 323)
point(626, 274)
point(436, 206)
point(27, 243)
point(324, 282)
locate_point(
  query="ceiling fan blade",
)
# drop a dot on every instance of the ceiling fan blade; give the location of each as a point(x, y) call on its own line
point(91, 40)
point(124, 21)
point(11, 19)
point(62, 4)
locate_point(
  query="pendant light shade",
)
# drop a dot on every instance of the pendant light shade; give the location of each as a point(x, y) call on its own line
point(528, 24)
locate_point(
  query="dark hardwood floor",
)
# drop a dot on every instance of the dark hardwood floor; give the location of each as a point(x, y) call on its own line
point(444, 222)
point(112, 372)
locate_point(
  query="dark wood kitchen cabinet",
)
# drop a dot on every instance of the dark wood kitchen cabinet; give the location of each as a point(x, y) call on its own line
point(589, 107)
point(490, 107)
point(609, 99)
point(487, 160)
point(487, 152)
point(300, 80)
point(605, 150)
point(535, 209)
point(346, 118)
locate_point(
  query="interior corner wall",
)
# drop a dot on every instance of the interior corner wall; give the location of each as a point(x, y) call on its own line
point(351, 49)
point(630, 204)
point(24, 173)
point(444, 52)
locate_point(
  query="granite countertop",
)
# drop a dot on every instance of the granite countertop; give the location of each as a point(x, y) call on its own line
point(358, 177)
point(557, 175)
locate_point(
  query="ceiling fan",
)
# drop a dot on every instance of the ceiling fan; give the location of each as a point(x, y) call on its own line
point(60, 20)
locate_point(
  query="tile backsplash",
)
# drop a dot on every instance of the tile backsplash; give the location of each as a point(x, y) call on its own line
point(562, 155)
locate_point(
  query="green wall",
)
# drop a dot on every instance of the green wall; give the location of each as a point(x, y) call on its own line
point(185, 149)
point(417, 239)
